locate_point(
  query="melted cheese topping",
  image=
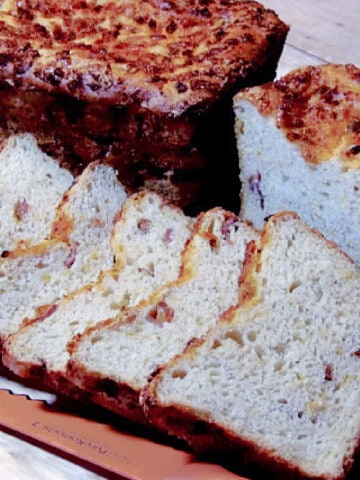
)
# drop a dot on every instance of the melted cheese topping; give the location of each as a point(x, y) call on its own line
point(318, 108)
point(174, 53)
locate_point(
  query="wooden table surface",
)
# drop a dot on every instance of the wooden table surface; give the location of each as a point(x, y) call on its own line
point(320, 31)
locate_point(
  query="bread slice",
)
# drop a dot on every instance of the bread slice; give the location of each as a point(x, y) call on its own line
point(147, 242)
point(114, 359)
point(31, 186)
point(148, 88)
point(279, 375)
point(299, 147)
point(79, 249)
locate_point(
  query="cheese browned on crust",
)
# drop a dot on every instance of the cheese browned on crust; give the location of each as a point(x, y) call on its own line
point(164, 55)
point(318, 108)
point(133, 81)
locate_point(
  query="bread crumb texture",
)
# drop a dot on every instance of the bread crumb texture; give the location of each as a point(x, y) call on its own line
point(282, 375)
point(42, 274)
point(31, 186)
point(145, 258)
point(145, 337)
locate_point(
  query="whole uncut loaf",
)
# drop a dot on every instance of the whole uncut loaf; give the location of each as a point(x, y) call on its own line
point(146, 84)
point(279, 376)
point(78, 250)
point(147, 241)
point(113, 360)
point(298, 141)
point(31, 186)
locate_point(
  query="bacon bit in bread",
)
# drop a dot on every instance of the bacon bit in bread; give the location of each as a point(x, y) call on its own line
point(161, 313)
point(168, 236)
point(149, 270)
point(254, 182)
point(226, 227)
point(357, 353)
point(70, 259)
point(21, 209)
point(144, 225)
point(97, 222)
point(328, 373)
point(45, 312)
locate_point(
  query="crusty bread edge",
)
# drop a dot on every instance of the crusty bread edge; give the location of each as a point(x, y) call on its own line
point(205, 436)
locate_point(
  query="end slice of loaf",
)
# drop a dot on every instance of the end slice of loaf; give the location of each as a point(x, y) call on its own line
point(75, 255)
point(279, 375)
point(31, 186)
point(298, 141)
point(148, 240)
point(114, 359)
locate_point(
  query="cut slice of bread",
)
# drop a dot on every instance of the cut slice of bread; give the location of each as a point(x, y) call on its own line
point(114, 359)
point(279, 375)
point(31, 187)
point(77, 252)
point(299, 147)
point(148, 240)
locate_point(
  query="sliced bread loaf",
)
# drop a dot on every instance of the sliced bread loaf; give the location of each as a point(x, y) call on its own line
point(299, 147)
point(114, 359)
point(279, 375)
point(31, 187)
point(145, 85)
point(148, 240)
point(75, 255)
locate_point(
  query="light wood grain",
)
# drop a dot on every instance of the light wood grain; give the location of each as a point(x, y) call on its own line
point(320, 31)
point(20, 460)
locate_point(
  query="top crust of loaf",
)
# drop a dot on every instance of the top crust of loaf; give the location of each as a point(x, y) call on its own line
point(163, 55)
point(318, 108)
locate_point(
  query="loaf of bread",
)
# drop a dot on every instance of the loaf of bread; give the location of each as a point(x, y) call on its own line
point(299, 147)
point(113, 360)
point(148, 240)
point(146, 84)
point(31, 187)
point(78, 250)
point(279, 375)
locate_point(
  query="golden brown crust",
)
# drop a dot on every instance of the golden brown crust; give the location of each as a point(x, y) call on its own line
point(318, 108)
point(163, 55)
point(115, 396)
point(36, 250)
